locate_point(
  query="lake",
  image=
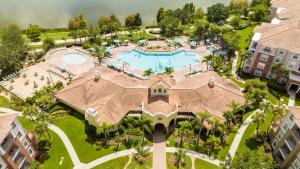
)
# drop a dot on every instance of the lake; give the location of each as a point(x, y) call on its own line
point(55, 13)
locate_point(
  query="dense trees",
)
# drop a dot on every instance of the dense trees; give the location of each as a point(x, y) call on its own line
point(169, 25)
point(11, 50)
point(78, 27)
point(255, 91)
point(133, 21)
point(217, 12)
point(109, 24)
point(33, 32)
point(48, 43)
point(260, 13)
point(238, 6)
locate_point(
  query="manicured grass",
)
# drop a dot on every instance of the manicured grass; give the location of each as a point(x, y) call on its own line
point(245, 36)
point(201, 164)
point(239, 83)
point(118, 163)
point(4, 102)
point(222, 153)
point(170, 164)
point(56, 152)
point(52, 35)
point(87, 144)
point(147, 165)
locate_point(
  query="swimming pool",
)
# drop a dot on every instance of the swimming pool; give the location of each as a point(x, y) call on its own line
point(74, 58)
point(158, 61)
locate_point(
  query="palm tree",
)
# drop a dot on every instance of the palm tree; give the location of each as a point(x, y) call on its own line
point(144, 125)
point(141, 155)
point(244, 54)
point(118, 140)
point(169, 70)
point(41, 128)
point(148, 72)
point(104, 129)
point(128, 123)
point(29, 112)
point(230, 118)
point(180, 155)
point(208, 59)
point(279, 70)
point(213, 141)
point(184, 130)
point(258, 119)
point(201, 117)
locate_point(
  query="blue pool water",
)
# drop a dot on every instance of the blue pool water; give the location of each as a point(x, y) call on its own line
point(74, 58)
point(158, 61)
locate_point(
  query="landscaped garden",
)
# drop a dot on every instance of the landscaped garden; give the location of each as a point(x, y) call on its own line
point(178, 160)
point(117, 163)
point(201, 164)
point(4, 102)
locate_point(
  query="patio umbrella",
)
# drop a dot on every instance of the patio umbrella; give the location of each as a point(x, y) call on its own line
point(178, 40)
point(116, 41)
point(103, 43)
point(107, 50)
point(193, 43)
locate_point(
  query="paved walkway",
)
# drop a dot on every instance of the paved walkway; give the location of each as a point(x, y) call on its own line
point(68, 145)
point(195, 155)
point(159, 150)
point(111, 157)
point(237, 139)
point(291, 99)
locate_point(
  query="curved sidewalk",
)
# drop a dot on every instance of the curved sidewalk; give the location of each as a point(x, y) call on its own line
point(238, 137)
point(68, 145)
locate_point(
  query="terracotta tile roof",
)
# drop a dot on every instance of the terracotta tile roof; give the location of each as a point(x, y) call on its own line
point(5, 124)
point(285, 34)
point(115, 94)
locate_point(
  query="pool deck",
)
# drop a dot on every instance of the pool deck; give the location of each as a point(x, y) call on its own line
point(23, 86)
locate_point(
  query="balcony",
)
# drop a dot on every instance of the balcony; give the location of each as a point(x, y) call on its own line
point(20, 157)
point(13, 150)
point(7, 141)
point(296, 132)
point(285, 150)
point(25, 165)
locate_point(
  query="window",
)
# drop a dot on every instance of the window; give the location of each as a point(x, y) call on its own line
point(274, 144)
point(277, 59)
point(25, 144)
point(254, 44)
point(280, 134)
point(165, 91)
point(296, 164)
point(291, 118)
point(284, 127)
point(257, 73)
point(280, 51)
point(261, 65)
point(159, 90)
point(13, 125)
point(267, 49)
point(282, 80)
point(19, 134)
point(30, 152)
point(291, 64)
point(264, 57)
point(154, 90)
point(296, 56)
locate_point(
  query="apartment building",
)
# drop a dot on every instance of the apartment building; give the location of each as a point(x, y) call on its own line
point(277, 41)
point(16, 146)
point(285, 140)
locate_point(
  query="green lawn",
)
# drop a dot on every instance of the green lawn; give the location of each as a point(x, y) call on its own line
point(57, 151)
point(134, 37)
point(222, 153)
point(147, 165)
point(248, 142)
point(87, 144)
point(170, 164)
point(201, 164)
point(245, 37)
point(117, 163)
point(4, 102)
point(52, 35)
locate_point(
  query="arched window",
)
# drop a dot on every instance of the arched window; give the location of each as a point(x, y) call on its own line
point(159, 90)
point(154, 90)
point(165, 91)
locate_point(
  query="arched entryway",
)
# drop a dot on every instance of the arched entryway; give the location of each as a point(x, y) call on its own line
point(159, 127)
